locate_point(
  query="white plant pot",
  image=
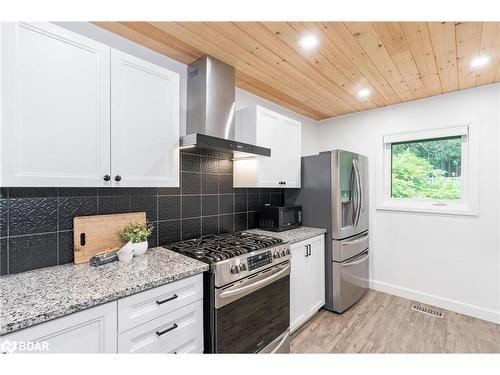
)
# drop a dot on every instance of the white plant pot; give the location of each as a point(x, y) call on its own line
point(140, 248)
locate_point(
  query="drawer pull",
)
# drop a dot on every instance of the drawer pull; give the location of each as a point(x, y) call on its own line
point(167, 299)
point(159, 333)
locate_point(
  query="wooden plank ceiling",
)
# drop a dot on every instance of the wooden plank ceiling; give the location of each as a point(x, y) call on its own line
point(396, 61)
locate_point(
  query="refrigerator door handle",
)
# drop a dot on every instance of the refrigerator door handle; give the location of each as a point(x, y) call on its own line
point(359, 199)
point(351, 195)
point(357, 261)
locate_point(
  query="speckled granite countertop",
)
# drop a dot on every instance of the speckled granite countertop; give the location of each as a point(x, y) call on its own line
point(292, 235)
point(37, 296)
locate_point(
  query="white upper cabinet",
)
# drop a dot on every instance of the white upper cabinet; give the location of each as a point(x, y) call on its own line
point(56, 110)
point(263, 127)
point(77, 113)
point(144, 123)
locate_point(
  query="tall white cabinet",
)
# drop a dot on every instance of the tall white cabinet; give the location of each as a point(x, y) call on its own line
point(55, 107)
point(144, 122)
point(307, 280)
point(263, 127)
point(77, 113)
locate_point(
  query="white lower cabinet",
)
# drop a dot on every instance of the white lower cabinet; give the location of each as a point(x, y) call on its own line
point(87, 331)
point(166, 319)
point(307, 280)
point(177, 332)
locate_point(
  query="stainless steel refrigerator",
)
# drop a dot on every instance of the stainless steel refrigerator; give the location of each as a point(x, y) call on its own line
point(334, 195)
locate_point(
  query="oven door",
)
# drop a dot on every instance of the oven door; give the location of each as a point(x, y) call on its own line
point(254, 312)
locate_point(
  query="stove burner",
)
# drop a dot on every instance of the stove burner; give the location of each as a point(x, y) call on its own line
point(215, 248)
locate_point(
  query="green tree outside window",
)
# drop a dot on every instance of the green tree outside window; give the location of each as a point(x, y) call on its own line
point(428, 169)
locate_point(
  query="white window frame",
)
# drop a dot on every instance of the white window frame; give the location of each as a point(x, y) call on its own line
point(467, 205)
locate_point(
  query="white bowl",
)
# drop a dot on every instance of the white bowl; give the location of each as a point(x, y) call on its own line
point(125, 256)
point(140, 248)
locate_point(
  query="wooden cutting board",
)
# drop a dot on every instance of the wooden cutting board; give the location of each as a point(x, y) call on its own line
point(98, 234)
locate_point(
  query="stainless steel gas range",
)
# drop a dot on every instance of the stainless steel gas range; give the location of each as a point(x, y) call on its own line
point(246, 292)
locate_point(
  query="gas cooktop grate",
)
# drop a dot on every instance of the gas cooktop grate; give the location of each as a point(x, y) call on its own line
point(427, 310)
point(215, 248)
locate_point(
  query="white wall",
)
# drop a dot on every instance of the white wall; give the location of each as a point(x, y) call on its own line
point(448, 261)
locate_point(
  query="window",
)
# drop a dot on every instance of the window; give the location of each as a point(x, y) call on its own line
point(429, 171)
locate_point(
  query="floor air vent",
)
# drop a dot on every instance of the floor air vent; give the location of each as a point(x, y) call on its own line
point(426, 310)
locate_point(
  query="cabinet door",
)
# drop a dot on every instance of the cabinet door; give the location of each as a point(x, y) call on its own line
point(298, 276)
point(269, 135)
point(87, 331)
point(315, 275)
point(290, 151)
point(144, 123)
point(55, 100)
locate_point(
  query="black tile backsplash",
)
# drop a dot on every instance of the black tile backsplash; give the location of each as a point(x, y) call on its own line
point(69, 207)
point(3, 256)
point(210, 205)
point(30, 252)
point(36, 224)
point(191, 183)
point(169, 231)
point(210, 225)
point(191, 206)
point(32, 215)
point(169, 207)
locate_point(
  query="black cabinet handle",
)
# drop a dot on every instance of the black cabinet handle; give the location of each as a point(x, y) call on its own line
point(118, 178)
point(308, 250)
point(167, 299)
point(159, 333)
point(106, 177)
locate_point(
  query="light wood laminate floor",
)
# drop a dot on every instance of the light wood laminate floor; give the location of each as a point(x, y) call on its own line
point(383, 323)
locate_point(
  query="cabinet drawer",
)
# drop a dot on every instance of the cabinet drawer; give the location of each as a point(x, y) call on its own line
point(143, 307)
point(180, 331)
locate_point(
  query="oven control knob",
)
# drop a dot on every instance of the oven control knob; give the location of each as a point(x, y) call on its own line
point(276, 255)
point(287, 251)
point(283, 253)
point(235, 269)
point(243, 267)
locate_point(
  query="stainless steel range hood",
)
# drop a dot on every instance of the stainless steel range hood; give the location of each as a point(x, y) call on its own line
point(210, 110)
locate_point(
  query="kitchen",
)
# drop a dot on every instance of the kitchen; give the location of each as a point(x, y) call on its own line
point(249, 187)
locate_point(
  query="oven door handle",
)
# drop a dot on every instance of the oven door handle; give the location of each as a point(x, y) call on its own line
point(256, 285)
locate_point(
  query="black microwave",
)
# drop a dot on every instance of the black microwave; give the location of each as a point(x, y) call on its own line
point(280, 218)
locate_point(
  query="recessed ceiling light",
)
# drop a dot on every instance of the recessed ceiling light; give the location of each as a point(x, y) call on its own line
point(364, 93)
point(308, 41)
point(480, 61)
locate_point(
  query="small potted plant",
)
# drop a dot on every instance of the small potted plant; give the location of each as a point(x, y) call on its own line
point(138, 235)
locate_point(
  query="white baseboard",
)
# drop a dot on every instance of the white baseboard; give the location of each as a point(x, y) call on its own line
point(431, 299)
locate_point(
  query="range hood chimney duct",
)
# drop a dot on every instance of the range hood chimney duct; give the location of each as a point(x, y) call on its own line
point(211, 109)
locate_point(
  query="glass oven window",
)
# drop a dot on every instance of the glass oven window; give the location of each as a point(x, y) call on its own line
point(250, 323)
